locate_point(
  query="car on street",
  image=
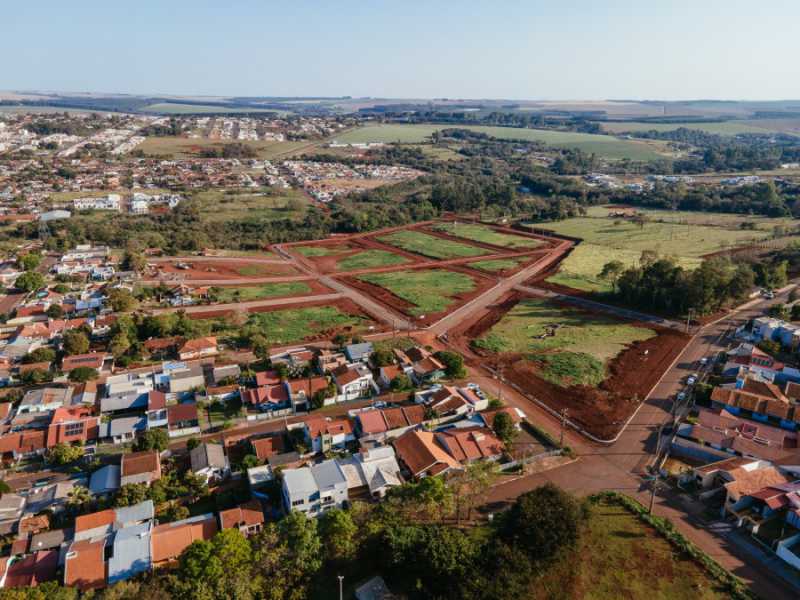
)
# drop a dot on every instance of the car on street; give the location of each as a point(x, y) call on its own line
point(691, 380)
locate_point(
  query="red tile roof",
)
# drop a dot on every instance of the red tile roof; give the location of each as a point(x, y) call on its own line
point(267, 378)
point(170, 539)
point(94, 520)
point(247, 514)
point(137, 463)
point(198, 344)
point(267, 446)
point(85, 566)
point(318, 426)
point(93, 360)
point(178, 413)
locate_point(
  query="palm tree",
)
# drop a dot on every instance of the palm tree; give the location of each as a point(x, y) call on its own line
point(78, 497)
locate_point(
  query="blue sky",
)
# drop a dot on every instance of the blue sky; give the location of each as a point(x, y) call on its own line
point(564, 49)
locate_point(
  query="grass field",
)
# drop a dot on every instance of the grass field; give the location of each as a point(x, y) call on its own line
point(270, 290)
point(602, 145)
point(577, 352)
point(179, 147)
point(487, 235)
point(431, 246)
point(312, 251)
point(723, 128)
point(498, 264)
point(219, 205)
point(296, 324)
point(369, 259)
point(428, 291)
point(710, 219)
point(621, 557)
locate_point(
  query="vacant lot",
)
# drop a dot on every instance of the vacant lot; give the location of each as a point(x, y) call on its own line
point(496, 265)
point(602, 145)
point(179, 147)
point(431, 246)
point(487, 235)
point(297, 324)
point(369, 259)
point(621, 557)
point(427, 292)
point(313, 251)
point(232, 205)
point(226, 295)
point(571, 346)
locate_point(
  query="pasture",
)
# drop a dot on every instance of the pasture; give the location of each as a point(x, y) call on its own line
point(569, 345)
point(487, 235)
point(606, 146)
point(430, 246)
point(428, 292)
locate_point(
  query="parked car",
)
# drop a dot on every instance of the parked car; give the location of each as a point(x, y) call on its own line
point(691, 380)
point(681, 396)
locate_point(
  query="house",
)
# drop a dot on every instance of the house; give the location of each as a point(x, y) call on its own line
point(301, 391)
point(265, 378)
point(186, 379)
point(449, 401)
point(222, 393)
point(198, 348)
point(156, 410)
point(738, 497)
point(74, 424)
point(259, 477)
point(421, 456)
point(388, 374)
point(271, 397)
point(316, 489)
point(131, 552)
point(11, 507)
point(420, 364)
point(85, 564)
point(227, 373)
point(470, 444)
point(99, 361)
point(487, 416)
point(353, 382)
point(247, 518)
point(327, 361)
point(324, 434)
point(85, 394)
point(267, 447)
point(44, 400)
point(31, 570)
point(52, 497)
point(358, 352)
point(106, 480)
point(140, 467)
point(122, 429)
point(51, 540)
point(182, 419)
point(296, 359)
point(104, 522)
point(374, 589)
point(385, 423)
point(209, 461)
point(756, 399)
point(753, 359)
point(162, 347)
point(371, 472)
point(136, 384)
point(170, 539)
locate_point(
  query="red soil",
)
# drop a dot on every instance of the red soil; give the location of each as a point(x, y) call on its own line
point(229, 269)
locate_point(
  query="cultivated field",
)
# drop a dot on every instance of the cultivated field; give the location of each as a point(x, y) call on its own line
point(429, 245)
point(722, 128)
point(174, 108)
point(603, 145)
point(570, 346)
point(487, 235)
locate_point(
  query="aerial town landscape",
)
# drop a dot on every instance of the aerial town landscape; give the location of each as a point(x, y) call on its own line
point(396, 346)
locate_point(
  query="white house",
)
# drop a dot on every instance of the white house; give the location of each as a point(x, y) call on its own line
point(353, 382)
point(316, 489)
point(209, 461)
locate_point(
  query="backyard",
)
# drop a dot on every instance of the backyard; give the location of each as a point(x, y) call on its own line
point(570, 346)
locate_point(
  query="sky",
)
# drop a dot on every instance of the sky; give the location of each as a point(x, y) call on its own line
point(536, 50)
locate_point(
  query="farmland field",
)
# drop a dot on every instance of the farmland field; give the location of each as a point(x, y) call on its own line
point(428, 291)
point(602, 145)
point(269, 290)
point(571, 346)
point(625, 558)
point(497, 264)
point(296, 324)
point(175, 108)
point(369, 259)
point(431, 246)
point(711, 219)
point(723, 128)
point(487, 235)
point(180, 147)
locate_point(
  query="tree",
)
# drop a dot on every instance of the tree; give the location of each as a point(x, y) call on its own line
point(249, 461)
point(401, 383)
point(382, 357)
point(611, 272)
point(77, 498)
point(28, 262)
point(153, 439)
point(29, 281)
point(192, 443)
point(503, 426)
point(133, 261)
point(453, 362)
point(119, 345)
point(4, 487)
point(131, 494)
point(338, 532)
point(174, 512)
point(75, 341)
point(64, 454)
point(83, 374)
point(36, 376)
point(54, 311)
point(121, 300)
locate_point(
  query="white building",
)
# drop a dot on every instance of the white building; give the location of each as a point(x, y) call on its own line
point(316, 489)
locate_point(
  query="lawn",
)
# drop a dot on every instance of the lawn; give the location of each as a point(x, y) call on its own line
point(369, 259)
point(621, 557)
point(296, 324)
point(603, 145)
point(431, 246)
point(269, 290)
point(267, 205)
point(487, 235)
point(572, 346)
point(429, 291)
point(180, 147)
point(495, 265)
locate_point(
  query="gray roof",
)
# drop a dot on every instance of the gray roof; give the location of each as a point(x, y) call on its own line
point(124, 401)
point(122, 425)
point(358, 351)
point(226, 371)
point(11, 506)
point(193, 371)
point(133, 514)
point(49, 540)
point(328, 474)
point(284, 458)
point(208, 455)
point(300, 482)
point(104, 480)
point(374, 589)
point(131, 552)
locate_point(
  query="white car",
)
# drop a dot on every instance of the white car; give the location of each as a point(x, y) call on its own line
point(691, 380)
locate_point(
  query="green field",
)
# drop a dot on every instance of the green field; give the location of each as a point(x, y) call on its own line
point(369, 259)
point(723, 128)
point(174, 108)
point(487, 235)
point(621, 557)
point(312, 251)
point(710, 219)
point(578, 352)
point(429, 291)
point(269, 205)
point(498, 264)
point(269, 290)
point(180, 147)
point(430, 245)
point(297, 324)
point(602, 145)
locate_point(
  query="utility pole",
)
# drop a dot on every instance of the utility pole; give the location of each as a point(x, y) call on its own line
point(564, 414)
point(653, 489)
point(688, 319)
point(341, 577)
